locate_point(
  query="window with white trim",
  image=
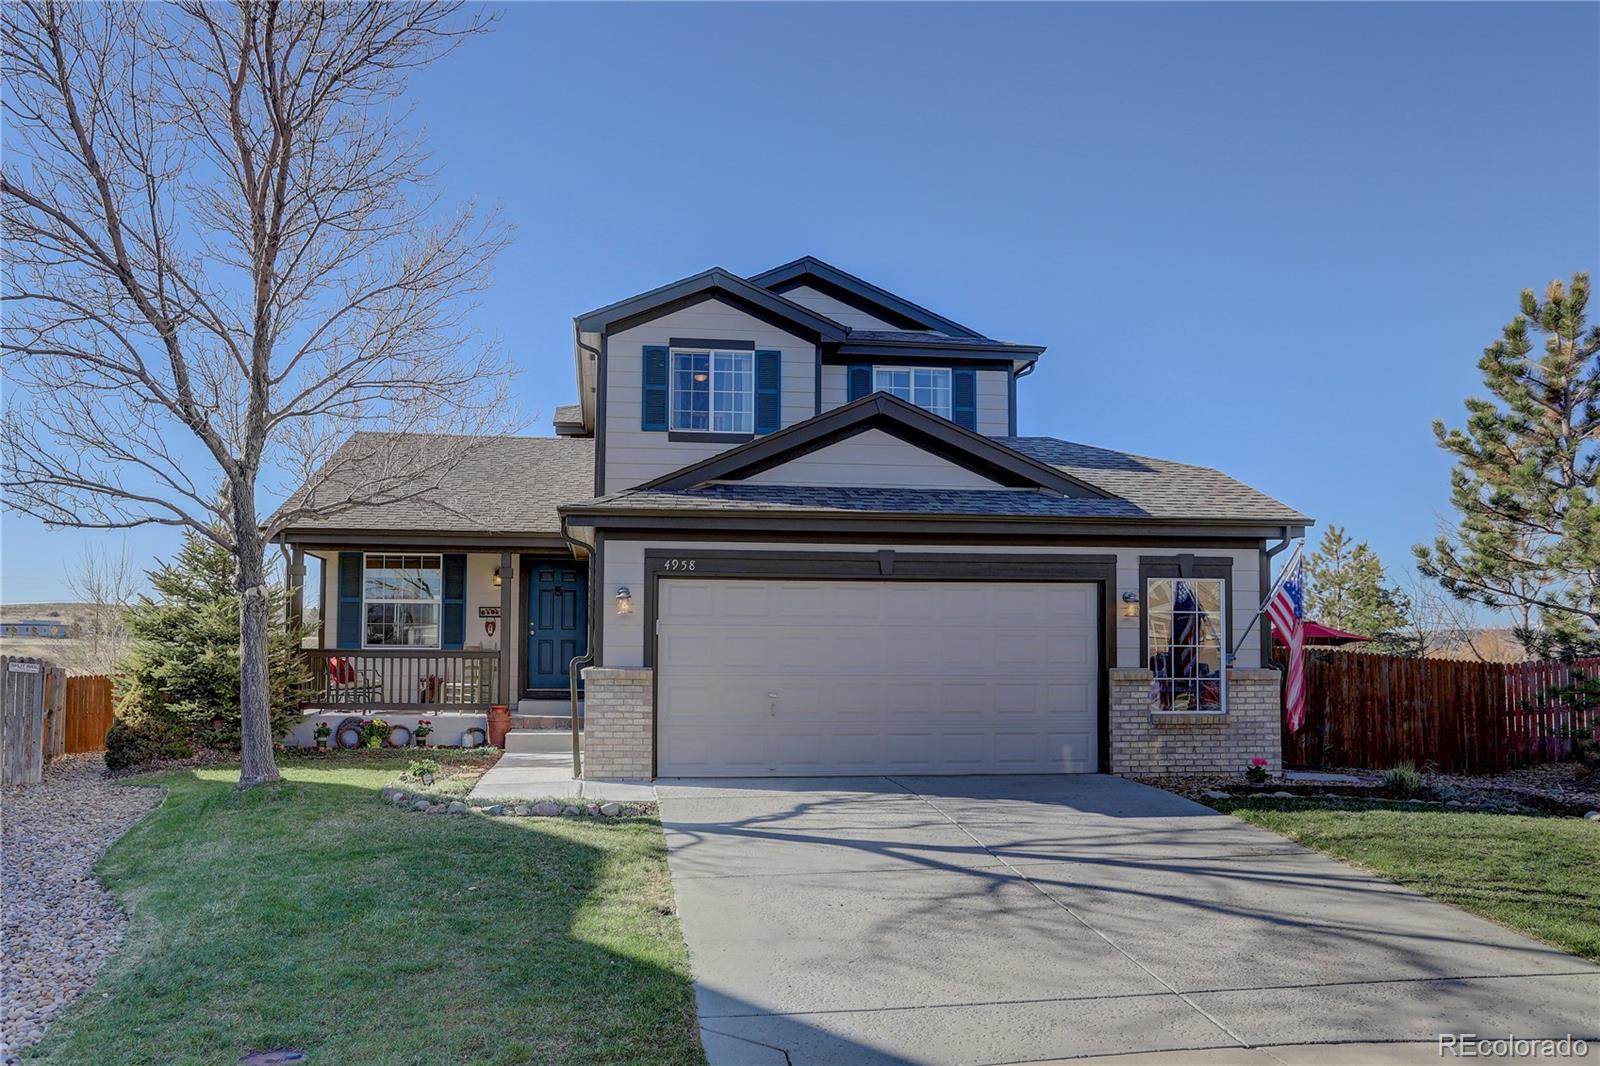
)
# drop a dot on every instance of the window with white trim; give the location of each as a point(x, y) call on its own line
point(1184, 638)
point(402, 600)
point(926, 386)
point(714, 391)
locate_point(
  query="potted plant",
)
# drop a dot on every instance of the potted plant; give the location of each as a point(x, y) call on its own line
point(1256, 772)
point(322, 733)
point(374, 731)
point(420, 734)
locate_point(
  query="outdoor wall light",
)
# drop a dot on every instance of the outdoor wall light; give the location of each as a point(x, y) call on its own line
point(500, 574)
point(1130, 605)
point(624, 600)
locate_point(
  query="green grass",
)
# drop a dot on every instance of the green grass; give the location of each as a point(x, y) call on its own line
point(1540, 875)
point(308, 914)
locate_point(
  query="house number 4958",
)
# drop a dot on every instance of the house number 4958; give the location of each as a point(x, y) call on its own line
point(680, 564)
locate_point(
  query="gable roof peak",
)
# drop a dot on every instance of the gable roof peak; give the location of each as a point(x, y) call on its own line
point(845, 286)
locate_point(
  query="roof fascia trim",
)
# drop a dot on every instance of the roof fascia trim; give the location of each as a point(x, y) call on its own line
point(895, 416)
point(810, 266)
point(711, 282)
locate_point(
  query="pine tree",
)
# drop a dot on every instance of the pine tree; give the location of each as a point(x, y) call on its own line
point(1347, 588)
point(1524, 485)
point(177, 689)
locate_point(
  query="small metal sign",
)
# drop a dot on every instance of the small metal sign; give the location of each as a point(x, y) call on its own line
point(24, 668)
point(488, 627)
point(488, 612)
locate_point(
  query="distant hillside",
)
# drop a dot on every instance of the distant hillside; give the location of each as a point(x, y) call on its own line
point(73, 652)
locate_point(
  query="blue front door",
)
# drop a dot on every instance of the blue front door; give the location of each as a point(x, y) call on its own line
point(556, 624)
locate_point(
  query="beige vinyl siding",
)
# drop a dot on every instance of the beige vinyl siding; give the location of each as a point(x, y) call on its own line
point(633, 456)
point(994, 397)
point(623, 642)
point(837, 310)
point(873, 459)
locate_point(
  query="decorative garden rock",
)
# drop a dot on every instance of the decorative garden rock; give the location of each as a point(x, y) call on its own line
point(544, 810)
point(494, 810)
point(1592, 816)
point(456, 807)
point(611, 809)
point(570, 811)
point(421, 805)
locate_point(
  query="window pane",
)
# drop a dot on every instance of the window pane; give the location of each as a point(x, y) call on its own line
point(734, 387)
point(691, 390)
point(403, 577)
point(1185, 636)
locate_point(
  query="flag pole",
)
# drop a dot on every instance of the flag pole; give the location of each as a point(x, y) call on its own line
point(1283, 573)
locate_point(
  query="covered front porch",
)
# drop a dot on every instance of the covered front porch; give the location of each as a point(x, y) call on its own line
point(442, 629)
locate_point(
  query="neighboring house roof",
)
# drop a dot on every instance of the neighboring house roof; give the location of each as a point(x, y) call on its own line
point(847, 288)
point(501, 485)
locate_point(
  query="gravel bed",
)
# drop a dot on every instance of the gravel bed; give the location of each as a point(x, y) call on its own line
point(59, 925)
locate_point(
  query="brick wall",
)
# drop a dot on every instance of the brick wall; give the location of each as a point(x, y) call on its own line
point(616, 723)
point(1146, 743)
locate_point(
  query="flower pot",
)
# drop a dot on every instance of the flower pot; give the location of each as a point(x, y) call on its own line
point(499, 724)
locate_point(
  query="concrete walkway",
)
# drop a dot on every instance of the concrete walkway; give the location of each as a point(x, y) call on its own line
point(1027, 919)
point(542, 775)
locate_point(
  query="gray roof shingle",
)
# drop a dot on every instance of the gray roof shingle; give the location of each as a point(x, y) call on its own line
point(501, 485)
point(570, 414)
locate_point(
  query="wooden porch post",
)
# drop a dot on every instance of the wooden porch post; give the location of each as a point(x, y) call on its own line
point(297, 589)
point(510, 628)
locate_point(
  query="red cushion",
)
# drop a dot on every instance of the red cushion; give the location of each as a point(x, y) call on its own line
point(341, 671)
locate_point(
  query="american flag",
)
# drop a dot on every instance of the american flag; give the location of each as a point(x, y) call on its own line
point(1287, 610)
point(1186, 617)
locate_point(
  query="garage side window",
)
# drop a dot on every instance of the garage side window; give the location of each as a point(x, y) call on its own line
point(1184, 638)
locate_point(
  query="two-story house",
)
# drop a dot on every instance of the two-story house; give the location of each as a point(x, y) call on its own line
point(791, 527)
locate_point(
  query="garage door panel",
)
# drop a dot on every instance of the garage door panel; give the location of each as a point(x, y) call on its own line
point(875, 677)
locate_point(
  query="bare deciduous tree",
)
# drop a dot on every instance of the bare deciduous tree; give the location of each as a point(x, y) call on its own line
point(224, 258)
point(105, 583)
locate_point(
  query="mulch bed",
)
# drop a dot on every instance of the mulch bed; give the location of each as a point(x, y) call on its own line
point(1568, 789)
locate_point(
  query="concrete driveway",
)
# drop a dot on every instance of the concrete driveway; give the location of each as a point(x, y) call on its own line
point(1024, 919)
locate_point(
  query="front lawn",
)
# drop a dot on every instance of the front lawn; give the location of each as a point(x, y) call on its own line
point(1540, 875)
point(310, 915)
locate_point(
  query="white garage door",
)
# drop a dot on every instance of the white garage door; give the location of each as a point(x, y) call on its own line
point(870, 677)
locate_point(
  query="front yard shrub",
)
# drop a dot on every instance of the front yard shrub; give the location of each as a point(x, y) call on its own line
point(177, 689)
point(1403, 779)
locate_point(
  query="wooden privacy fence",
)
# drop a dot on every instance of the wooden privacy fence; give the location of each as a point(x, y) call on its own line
point(44, 713)
point(1374, 711)
point(88, 713)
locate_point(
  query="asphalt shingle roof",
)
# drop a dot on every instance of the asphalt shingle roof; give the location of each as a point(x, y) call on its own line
point(748, 497)
point(568, 413)
point(1159, 487)
point(501, 485)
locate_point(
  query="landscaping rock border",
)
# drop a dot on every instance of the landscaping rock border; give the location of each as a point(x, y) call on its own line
point(423, 803)
point(60, 925)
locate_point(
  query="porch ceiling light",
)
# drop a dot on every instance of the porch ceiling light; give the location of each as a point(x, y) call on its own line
point(624, 600)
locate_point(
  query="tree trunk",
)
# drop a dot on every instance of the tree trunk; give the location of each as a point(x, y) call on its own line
point(256, 763)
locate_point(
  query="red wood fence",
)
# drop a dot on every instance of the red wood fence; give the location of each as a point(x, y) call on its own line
point(88, 713)
point(1374, 711)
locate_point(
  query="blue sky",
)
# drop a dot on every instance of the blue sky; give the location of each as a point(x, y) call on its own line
point(1268, 238)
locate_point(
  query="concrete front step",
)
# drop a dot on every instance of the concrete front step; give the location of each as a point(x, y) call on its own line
point(531, 741)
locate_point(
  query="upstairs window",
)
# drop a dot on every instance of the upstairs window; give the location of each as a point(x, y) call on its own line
point(927, 387)
point(402, 600)
point(713, 391)
point(1185, 641)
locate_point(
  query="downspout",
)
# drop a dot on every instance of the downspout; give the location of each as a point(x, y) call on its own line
point(1283, 542)
point(587, 658)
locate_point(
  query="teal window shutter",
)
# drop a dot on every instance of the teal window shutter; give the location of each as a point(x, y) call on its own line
point(964, 398)
point(653, 411)
point(453, 627)
point(860, 381)
point(769, 391)
point(352, 567)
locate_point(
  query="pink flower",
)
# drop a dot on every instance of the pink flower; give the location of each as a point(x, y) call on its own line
point(1258, 761)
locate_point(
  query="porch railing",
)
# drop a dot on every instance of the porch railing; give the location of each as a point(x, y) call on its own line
point(402, 679)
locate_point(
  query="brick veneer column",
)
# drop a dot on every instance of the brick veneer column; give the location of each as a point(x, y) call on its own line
point(1145, 742)
point(617, 706)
